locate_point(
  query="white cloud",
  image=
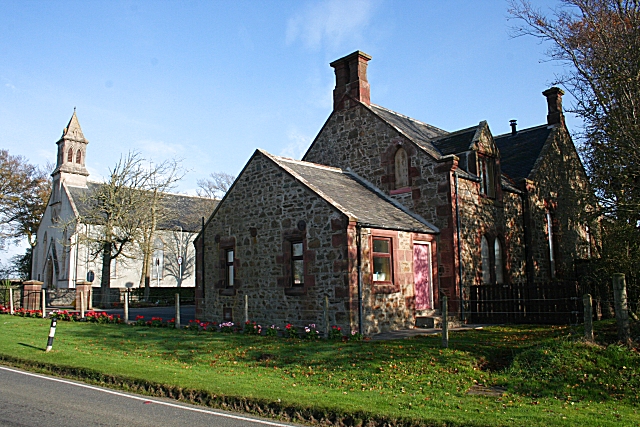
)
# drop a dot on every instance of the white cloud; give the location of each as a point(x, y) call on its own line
point(10, 86)
point(329, 22)
point(297, 146)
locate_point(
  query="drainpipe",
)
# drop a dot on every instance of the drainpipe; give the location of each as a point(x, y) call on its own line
point(359, 248)
point(455, 173)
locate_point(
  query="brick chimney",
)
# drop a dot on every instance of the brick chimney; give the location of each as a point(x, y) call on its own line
point(554, 102)
point(351, 78)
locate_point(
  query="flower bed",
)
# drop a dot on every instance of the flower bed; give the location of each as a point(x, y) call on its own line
point(309, 332)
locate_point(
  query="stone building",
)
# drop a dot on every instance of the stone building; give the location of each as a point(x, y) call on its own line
point(59, 262)
point(505, 209)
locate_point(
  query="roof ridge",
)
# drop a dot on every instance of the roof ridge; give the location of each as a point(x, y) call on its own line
point(305, 163)
point(524, 130)
point(457, 132)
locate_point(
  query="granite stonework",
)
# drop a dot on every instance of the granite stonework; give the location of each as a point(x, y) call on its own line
point(265, 210)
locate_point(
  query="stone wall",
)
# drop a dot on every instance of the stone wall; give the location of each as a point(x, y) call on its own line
point(264, 209)
point(559, 185)
point(358, 139)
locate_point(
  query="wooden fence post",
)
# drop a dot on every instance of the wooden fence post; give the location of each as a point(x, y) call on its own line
point(126, 306)
point(82, 302)
point(177, 318)
point(246, 308)
point(326, 317)
point(445, 322)
point(44, 303)
point(622, 311)
point(588, 318)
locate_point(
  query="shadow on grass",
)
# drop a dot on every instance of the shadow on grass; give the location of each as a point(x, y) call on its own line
point(32, 346)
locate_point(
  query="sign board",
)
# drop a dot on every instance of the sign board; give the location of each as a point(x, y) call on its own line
point(90, 276)
point(179, 260)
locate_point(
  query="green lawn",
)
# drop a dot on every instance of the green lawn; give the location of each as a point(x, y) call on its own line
point(551, 378)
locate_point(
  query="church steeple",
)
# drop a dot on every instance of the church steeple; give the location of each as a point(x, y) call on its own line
point(70, 164)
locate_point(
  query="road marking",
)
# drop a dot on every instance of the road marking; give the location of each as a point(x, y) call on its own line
point(147, 400)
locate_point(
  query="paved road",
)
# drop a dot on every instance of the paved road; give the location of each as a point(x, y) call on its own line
point(187, 312)
point(28, 399)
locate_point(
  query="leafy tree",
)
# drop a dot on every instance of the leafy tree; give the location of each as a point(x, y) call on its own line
point(24, 193)
point(599, 42)
point(215, 186)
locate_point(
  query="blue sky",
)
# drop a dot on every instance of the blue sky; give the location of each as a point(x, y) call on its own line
point(208, 82)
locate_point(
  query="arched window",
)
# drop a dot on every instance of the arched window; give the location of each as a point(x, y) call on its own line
point(499, 265)
point(79, 157)
point(70, 155)
point(486, 261)
point(402, 168)
point(157, 266)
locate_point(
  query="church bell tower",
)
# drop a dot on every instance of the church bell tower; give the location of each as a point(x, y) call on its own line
point(70, 163)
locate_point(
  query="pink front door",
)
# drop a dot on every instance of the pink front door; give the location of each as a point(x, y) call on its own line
point(422, 276)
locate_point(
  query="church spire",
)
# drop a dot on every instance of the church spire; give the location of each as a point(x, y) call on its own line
point(70, 162)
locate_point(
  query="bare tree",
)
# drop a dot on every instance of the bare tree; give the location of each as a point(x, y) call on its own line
point(180, 256)
point(215, 185)
point(24, 193)
point(120, 212)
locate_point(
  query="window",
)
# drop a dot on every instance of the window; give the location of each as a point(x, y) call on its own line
point(297, 263)
point(230, 273)
point(402, 169)
point(498, 264)
point(79, 157)
point(486, 172)
point(486, 261)
point(382, 265)
point(157, 260)
point(70, 155)
point(552, 260)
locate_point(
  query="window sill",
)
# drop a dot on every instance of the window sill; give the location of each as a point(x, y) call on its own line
point(401, 191)
point(295, 291)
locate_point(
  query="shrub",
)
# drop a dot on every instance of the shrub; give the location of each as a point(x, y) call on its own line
point(335, 333)
point(311, 332)
point(252, 328)
point(356, 336)
point(272, 331)
point(227, 327)
point(290, 331)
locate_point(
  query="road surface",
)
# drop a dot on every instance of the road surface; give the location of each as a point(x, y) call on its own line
point(28, 399)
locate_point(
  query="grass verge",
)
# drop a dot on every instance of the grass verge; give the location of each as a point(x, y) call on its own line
point(549, 377)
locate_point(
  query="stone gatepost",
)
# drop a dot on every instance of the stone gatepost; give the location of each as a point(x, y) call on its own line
point(31, 295)
point(85, 287)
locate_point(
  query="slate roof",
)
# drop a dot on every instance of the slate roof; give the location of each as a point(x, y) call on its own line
point(519, 152)
point(419, 132)
point(188, 210)
point(455, 142)
point(354, 196)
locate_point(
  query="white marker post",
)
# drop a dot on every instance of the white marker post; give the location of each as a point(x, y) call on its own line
point(52, 333)
point(11, 301)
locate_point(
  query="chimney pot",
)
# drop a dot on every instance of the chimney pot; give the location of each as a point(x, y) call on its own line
point(351, 79)
point(514, 124)
point(554, 104)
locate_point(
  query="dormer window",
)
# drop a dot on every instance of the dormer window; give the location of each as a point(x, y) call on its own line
point(487, 174)
point(402, 169)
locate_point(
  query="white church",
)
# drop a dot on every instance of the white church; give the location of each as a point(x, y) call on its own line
point(60, 262)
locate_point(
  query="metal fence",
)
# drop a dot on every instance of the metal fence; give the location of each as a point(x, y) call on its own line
point(557, 302)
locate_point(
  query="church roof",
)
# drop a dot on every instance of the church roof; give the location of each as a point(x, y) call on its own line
point(185, 211)
point(519, 152)
point(353, 196)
